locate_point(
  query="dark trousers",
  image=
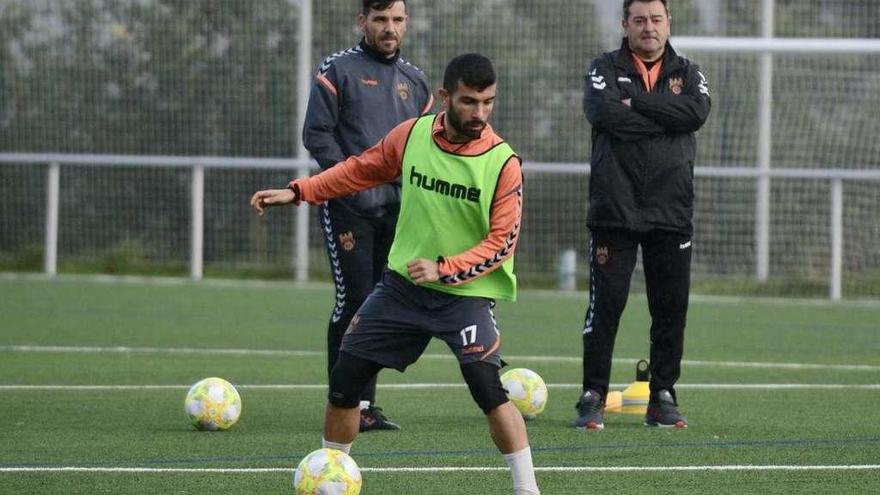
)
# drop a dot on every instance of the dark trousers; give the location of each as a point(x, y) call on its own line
point(357, 248)
point(666, 257)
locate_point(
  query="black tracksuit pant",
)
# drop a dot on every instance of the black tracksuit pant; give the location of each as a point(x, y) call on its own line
point(666, 257)
point(357, 248)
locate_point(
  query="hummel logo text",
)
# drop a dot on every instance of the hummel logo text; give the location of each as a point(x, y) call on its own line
point(443, 187)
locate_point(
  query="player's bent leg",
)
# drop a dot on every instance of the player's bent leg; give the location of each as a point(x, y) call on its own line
point(506, 424)
point(508, 430)
point(347, 380)
point(484, 384)
point(340, 427)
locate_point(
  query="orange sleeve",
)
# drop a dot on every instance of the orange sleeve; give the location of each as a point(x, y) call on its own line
point(374, 167)
point(500, 243)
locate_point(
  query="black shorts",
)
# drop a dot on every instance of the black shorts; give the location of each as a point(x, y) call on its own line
point(398, 319)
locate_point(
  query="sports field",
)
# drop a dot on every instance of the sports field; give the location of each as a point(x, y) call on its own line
point(782, 396)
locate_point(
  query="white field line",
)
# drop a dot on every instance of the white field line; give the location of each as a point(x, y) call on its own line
point(328, 287)
point(447, 469)
point(437, 386)
point(512, 358)
point(155, 350)
point(696, 299)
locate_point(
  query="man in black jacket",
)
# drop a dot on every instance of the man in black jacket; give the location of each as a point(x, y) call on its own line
point(644, 103)
point(360, 94)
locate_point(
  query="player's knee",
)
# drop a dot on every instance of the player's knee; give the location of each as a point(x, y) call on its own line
point(484, 384)
point(348, 378)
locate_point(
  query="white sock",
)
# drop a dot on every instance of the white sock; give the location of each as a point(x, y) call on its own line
point(364, 404)
point(523, 472)
point(327, 444)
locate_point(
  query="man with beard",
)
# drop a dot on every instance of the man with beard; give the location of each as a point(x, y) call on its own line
point(358, 96)
point(452, 256)
point(644, 103)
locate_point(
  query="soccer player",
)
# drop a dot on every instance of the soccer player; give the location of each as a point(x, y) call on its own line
point(644, 103)
point(452, 256)
point(360, 94)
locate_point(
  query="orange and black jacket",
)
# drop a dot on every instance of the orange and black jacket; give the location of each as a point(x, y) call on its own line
point(642, 161)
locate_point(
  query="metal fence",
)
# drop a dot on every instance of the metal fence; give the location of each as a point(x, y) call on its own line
point(220, 231)
point(223, 78)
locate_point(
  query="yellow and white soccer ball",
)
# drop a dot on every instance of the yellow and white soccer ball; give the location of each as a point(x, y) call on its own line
point(527, 391)
point(327, 472)
point(213, 404)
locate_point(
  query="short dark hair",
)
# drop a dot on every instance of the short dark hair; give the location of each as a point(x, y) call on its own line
point(379, 5)
point(627, 3)
point(472, 69)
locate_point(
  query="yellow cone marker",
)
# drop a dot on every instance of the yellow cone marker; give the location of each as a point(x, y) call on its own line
point(614, 401)
point(635, 397)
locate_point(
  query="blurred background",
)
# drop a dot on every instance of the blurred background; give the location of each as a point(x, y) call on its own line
point(788, 165)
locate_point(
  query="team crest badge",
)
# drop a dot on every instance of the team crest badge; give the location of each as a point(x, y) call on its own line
point(676, 84)
point(403, 90)
point(602, 255)
point(347, 240)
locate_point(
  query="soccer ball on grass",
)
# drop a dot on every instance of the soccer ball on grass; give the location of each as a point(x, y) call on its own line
point(213, 404)
point(527, 391)
point(327, 472)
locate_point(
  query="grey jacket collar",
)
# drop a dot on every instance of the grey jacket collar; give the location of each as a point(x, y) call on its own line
point(375, 55)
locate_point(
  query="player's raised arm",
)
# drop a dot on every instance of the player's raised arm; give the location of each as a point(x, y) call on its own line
point(375, 166)
point(271, 197)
